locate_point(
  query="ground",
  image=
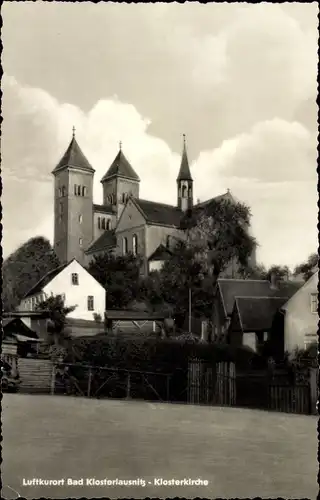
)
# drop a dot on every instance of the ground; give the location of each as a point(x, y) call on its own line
point(242, 453)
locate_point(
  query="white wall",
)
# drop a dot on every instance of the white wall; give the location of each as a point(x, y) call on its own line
point(76, 294)
point(300, 322)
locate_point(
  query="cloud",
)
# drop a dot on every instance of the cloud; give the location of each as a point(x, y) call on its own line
point(238, 79)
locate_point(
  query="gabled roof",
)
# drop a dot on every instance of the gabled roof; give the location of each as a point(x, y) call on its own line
point(303, 285)
point(45, 280)
point(231, 288)
point(184, 172)
point(257, 313)
point(159, 213)
point(106, 209)
point(15, 326)
point(105, 241)
point(161, 253)
point(74, 157)
point(121, 168)
point(221, 197)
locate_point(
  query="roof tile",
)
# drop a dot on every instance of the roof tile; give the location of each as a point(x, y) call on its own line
point(122, 168)
point(74, 157)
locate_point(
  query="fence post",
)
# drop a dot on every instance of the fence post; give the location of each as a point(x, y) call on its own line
point(89, 382)
point(168, 388)
point(53, 378)
point(128, 386)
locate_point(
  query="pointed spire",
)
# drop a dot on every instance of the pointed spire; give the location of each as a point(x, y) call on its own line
point(184, 172)
point(74, 157)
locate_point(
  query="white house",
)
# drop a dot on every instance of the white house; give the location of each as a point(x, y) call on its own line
point(75, 285)
point(301, 316)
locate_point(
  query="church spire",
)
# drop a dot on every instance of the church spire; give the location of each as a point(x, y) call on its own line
point(184, 172)
point(184, 181)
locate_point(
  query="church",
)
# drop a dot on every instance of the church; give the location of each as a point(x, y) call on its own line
point(124, 222)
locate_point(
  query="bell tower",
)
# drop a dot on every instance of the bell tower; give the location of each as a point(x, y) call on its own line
point(185, 182)
point(73, 204)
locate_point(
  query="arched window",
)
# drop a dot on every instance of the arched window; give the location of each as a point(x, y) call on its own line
point(190, 192)
point(60, 192)
point(134, 244)
point(124, 246)
point(84, 191)
point(79, 191)
point(63, 190)
point(80, 219)
point(108, 225)
point(60, 208)
point(103, 223)
point(99, 222)
point(75, 189)
point(184, 191)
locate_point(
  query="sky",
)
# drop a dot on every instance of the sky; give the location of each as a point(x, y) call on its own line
point(239, 80)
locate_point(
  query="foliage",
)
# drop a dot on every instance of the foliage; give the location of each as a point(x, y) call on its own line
point(260, 272)
point(57, 317)
point(97, 317)
point(306, 268)
point(214, 238)
point(304, 358)
point(119, 275)
point(24, 268)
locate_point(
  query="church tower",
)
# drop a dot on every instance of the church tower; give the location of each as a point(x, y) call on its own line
point(73, 204)
point(119, 182)
point(185, 182)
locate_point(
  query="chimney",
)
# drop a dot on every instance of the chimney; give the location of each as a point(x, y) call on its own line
point(274, 281)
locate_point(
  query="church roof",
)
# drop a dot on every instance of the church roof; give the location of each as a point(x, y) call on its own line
point(74, 157)
point(159, 213)
point(184, 172)
point(105, 241)
point(121, 168)
point(106, 209)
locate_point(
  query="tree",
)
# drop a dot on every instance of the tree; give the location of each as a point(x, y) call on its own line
point(119, 275)
point(220, 235)
point(24, 268)
point(306, 268)
point(57, 317)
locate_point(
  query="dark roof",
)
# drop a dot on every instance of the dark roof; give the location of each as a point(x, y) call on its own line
point(106, 240)
point(106, 209)
point(121, 167)
point(257, 313)
point(159, 213)
point(125, 314)
point(231, 288)
point(161, 253)
point(207, 203)
point(74, 157)
point(24, 314)
point(184, 172)
point(45, 280)
point(12, 326)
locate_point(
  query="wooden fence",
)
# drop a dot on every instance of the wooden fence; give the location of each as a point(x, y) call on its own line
point(211, 383)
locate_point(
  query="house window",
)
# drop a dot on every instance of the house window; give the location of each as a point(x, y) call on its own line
point(60, 192)
point(75, 278)
point(80, 219)
point(314, 303)
point(90, 303)
point(124, 246)
point(99, 222)
point(103, 223)
point(134, 244)
point(108, 225)
point(80, 241)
